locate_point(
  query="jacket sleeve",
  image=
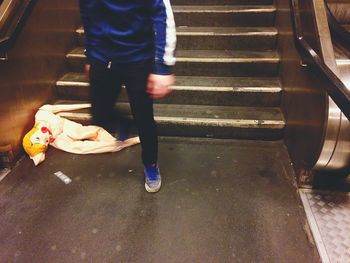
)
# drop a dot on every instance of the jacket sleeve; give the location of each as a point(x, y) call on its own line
point(87, 13)
point(165, 36)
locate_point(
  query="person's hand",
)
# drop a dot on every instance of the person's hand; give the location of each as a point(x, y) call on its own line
point(159, 86)
point(87, 71)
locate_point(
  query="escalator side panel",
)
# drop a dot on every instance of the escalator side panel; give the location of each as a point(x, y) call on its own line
point(34, 63)
point(304, 100)
point(341, 156)
point(338, 125)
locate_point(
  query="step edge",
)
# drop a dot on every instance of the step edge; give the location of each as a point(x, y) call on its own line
point(219, 8)
point(67, 83)
point(235, 123)
point(123, 104)
point(224, 34)
point(265, 31)
point(248, 89)
point(276, 80)
point(228, 60)
point(203, 60)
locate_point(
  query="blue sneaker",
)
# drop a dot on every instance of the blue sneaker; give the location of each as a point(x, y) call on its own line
point(153, 180)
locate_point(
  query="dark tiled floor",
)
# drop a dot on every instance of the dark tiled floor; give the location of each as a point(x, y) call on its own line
point(221, 201)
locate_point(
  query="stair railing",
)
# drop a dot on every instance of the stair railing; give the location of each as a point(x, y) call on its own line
point(13, 14)
point(337, 89)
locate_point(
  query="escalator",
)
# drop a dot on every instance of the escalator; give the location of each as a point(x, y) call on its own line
point(327, 204)
point(339, 22)
point(336, 152)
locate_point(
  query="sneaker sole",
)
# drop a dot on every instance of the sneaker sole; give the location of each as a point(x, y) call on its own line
point(153, 190)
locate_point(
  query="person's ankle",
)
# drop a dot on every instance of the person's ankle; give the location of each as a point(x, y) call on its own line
point(151, 165)
point(123, 132)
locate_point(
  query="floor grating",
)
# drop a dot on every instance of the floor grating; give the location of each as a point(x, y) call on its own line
point(328, 214)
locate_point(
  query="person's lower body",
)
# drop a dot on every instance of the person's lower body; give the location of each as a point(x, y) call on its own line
point(106, 85)
point(104, 90)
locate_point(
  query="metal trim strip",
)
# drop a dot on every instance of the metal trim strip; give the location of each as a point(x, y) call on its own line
point(314, 227)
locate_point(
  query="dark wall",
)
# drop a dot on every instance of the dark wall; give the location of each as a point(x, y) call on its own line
point(304, 100)
point(27, 78)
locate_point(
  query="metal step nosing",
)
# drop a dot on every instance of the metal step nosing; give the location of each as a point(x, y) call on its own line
point(229, 10)
point(206, 60)
point(226, 60)
point(190, 88)
point(342, 61)
point(63, 83)
point(232, 34)
point(233, 123)
point(213, 33)
point(216, 10)
point(236, 123)
point(229, 89)
point(75, 55)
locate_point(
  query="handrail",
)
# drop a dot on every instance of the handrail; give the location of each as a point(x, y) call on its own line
point(337, 28)
point(13, 14)
point(337, 90)
point(7, 8)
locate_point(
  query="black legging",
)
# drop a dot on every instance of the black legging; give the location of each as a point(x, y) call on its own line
point(105, 88)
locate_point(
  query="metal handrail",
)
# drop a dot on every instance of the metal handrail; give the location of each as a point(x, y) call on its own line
point(6, 9)
point(12, 17)
point(337, 90)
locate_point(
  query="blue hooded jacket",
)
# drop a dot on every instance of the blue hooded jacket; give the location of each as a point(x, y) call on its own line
point(125, 31)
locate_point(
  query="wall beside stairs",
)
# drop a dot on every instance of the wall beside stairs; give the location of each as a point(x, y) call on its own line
point(304, 100)
point(27, 79)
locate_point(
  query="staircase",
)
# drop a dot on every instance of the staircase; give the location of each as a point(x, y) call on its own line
point(227, 73)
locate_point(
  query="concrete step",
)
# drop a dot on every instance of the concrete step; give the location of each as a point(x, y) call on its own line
point(230, 38)
point(230, 14)
point(224, 15)
point(193, 90)
point(206, 121)
point(224, 63)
